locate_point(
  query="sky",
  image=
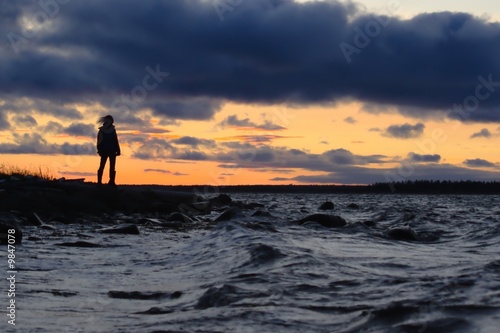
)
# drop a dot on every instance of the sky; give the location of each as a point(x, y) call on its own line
point(229, 92)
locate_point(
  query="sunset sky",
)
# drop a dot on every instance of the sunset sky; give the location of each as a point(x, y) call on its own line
point(227, 92)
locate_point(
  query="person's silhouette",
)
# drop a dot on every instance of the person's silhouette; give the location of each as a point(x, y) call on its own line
point(107, 147)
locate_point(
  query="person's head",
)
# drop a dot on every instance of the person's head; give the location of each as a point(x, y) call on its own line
point(106, 121)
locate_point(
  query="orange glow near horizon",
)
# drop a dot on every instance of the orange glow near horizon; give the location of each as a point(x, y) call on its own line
point(314, 130)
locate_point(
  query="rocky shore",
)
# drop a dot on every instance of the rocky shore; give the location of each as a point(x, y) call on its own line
point(41, 204)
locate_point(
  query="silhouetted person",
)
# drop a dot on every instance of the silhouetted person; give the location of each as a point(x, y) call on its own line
point(107, 147)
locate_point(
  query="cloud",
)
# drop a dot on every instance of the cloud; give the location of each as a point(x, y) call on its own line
point(25, 120)
point(405, 131)
point(154, 149)
point(80, 129)
point(34, 143)
point(479, 163)
point(357, 175)
point(158, 171)
point(419, 158)
point(254, 55)
point(350, 120)
point(194, 142)
point(234, 121)
point(484, 133)
point(280, 179)
point(332, 166)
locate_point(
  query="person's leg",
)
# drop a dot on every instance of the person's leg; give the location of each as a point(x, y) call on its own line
point(102, 164)
point(112, 171)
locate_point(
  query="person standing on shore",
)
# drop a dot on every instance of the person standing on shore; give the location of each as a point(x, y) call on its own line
point(107, 147)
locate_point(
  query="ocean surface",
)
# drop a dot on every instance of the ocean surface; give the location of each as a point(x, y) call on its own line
point(267, 274)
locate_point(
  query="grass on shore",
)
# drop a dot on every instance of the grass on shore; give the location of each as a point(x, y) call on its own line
point(13, 171)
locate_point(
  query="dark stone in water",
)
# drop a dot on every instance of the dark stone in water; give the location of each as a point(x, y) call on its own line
point(328, 205)
point(155, 311)
point(129, 229)
point(353, 206)
point(369, 223)
point(78, 244)
point(329, 221)
point(402, 233)
point(142, 295)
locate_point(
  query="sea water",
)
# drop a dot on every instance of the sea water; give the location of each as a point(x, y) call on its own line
point(268, 274)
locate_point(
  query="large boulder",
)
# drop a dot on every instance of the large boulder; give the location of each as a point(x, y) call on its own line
point(328, 205)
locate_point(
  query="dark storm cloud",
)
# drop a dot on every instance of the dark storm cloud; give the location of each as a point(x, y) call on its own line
point(405, 131)
point(197, 108)
point(262, 51)
point(484, 133)
point(4, 122)
point(419, 158)
point(26, 121)
point(478, 163)
point(80, 129)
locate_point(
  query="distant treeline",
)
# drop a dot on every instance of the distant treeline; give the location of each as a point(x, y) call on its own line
point(406, 187)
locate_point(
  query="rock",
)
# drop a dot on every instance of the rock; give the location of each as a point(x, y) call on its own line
point(221, 200)
point(328, 205)
point(329, 221)
point(129, 229)
point(353, 206)
point(369, 223)
point(229, 214)
point(140, 295)
point(402, 233)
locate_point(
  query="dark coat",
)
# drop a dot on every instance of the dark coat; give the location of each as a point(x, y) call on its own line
point(107, 142)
